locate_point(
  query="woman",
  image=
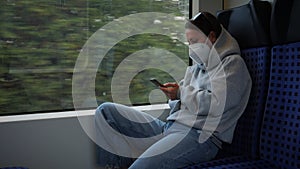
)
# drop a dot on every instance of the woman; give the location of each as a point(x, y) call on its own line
point(205, 107)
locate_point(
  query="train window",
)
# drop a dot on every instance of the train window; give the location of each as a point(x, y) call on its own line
point(41, 41)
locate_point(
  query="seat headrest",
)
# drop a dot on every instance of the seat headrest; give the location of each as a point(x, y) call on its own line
point(249, 24)
point(285, 25)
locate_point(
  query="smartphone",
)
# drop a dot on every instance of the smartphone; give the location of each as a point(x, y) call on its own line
point(156, 82)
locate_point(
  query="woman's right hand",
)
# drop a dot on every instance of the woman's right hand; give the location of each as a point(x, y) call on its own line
point(170, 90)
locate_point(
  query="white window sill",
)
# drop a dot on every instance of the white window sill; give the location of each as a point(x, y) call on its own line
point(68, 114)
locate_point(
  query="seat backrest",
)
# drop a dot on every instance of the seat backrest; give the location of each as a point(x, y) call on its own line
point(280, 136)
point(285, 23)
point(246, 25)
point(246, 136)
point(249, 24)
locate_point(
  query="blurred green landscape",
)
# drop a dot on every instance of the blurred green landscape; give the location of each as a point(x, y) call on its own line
point(41, 40)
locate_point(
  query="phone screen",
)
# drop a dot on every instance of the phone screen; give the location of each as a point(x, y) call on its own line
point(156, 82)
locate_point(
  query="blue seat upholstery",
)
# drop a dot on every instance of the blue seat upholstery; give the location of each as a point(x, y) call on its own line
point(280, 136)
point(249, 24)
point(246, 140)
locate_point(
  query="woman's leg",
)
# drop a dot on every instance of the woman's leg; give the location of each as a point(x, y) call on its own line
point(171, 153)
point(124, 133)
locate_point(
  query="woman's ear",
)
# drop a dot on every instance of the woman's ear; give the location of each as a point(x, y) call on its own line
point(212, 37)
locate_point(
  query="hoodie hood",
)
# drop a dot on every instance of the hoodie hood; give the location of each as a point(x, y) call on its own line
point(224, 46)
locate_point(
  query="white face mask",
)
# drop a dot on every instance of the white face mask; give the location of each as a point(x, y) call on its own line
point(199, 52)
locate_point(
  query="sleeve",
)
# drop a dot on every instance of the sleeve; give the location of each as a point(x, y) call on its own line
point(227, 80)
point(238, 81)
point(175, 104)
point(196, 100)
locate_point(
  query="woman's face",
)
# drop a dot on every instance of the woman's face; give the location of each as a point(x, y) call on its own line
point(194, 36)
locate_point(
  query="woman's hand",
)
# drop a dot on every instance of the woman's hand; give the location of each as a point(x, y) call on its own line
point(170, 90)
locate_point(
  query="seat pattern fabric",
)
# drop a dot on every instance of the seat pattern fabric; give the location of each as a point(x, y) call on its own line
point(249, 24)
point(280, 136)
point(246, 140)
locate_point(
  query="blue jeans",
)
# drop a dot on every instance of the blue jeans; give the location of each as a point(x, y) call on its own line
point(156, 144)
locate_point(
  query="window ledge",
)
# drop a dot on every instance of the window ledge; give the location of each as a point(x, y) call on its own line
point(68, 114)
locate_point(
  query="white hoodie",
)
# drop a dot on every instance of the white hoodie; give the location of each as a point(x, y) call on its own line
point(214, 94)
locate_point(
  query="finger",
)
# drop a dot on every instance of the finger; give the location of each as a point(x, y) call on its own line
point(169, 84)
point(164, 89)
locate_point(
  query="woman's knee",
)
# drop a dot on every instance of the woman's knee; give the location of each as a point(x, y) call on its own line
point(109, 111)
point(103, 108)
